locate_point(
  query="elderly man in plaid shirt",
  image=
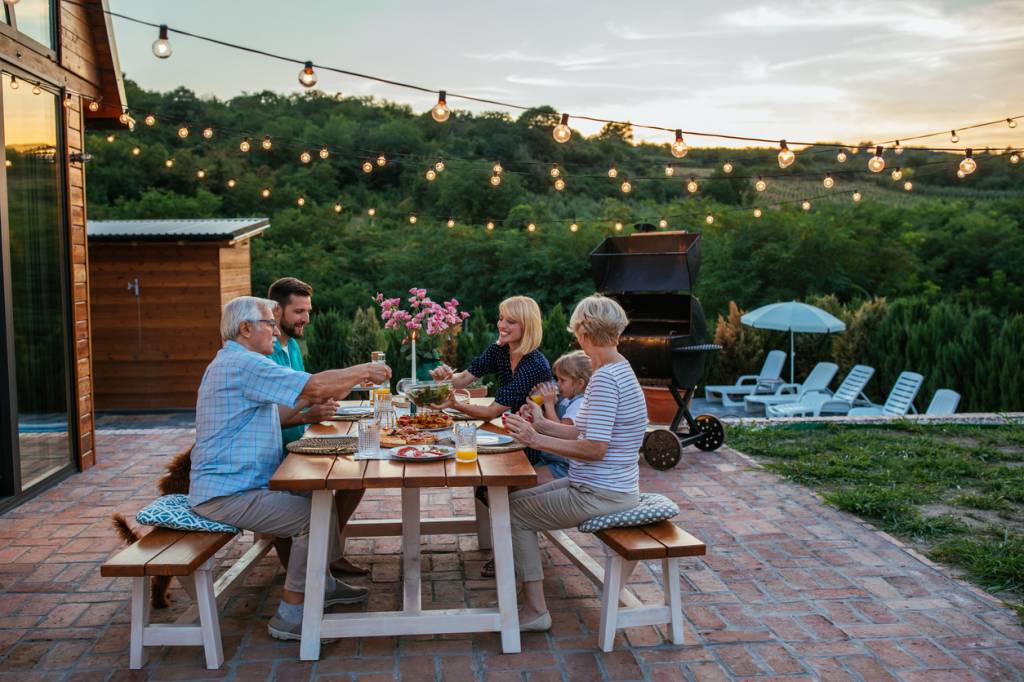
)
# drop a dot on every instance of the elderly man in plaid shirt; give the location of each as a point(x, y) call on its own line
point(238, 446)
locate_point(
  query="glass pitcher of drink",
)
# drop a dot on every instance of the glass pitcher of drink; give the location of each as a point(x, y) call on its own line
point(465, 441)
point(379, 356)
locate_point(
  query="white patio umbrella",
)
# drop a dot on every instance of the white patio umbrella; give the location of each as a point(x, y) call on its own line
point(792, 317)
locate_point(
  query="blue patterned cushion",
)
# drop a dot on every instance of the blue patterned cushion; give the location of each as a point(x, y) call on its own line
point(172, 511)
point(652, 507)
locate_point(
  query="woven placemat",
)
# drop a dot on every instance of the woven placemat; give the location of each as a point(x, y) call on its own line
point(323, 446)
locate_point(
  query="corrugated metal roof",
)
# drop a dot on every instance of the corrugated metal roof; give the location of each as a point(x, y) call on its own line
point(199, 229)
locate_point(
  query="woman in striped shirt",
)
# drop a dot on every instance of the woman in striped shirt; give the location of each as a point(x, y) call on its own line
point(602, 447)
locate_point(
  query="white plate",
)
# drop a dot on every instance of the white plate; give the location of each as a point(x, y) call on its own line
point(337, 436)
point(493, 439)
point(449, 452)
point(353, 411)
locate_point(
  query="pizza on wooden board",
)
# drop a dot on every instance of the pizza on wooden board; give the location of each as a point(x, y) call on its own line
point(406, 435)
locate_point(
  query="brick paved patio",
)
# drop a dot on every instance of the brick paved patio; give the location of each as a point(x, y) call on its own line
point(790, 588)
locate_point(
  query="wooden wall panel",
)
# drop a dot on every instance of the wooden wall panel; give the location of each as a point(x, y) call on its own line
point(235, 272)
point(78, 43)
point(151, 352)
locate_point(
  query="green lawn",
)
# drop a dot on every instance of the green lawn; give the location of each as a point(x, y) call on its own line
point(956, 492)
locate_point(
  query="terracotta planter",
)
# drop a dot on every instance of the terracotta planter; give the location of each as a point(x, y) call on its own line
point(661, 406)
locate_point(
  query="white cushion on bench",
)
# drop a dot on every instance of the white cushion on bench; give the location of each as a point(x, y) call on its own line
point(172, 511)
point(651, 509)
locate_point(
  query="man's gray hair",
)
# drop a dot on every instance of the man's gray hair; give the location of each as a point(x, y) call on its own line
point(244, 309)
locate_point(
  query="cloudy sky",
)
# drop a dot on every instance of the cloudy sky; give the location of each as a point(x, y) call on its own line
point(824, 70)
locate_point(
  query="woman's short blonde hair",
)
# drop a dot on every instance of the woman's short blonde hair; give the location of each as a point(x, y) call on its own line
point(574, 365)
point(600, 319)
point(525, 311)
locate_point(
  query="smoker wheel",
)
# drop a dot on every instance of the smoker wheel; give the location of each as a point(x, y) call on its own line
point(662, 449)
point(714, 432)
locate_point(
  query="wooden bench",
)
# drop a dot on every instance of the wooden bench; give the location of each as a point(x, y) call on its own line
point(624, 547)
point(189, 557)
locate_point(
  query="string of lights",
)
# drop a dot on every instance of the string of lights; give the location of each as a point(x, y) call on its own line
point(561, 132)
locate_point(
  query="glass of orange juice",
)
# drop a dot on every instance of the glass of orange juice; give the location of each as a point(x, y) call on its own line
point(465, 441)
point(537, 398)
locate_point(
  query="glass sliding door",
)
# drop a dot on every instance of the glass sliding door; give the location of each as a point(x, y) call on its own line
point(36, 286)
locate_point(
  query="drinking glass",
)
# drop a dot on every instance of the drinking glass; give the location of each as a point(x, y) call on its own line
point(465, 441)
point(383, 409)
point(369, 436)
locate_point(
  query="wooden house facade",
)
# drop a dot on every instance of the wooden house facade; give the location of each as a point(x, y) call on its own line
point(56, 58)
point(157, 289)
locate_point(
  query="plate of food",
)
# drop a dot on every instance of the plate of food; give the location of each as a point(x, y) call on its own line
point(423, 453)
point(426, 421)
point(492, 439)
point(406, 435)
point(354, 411)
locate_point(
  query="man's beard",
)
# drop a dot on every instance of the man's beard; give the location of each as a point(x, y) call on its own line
point(291, 331)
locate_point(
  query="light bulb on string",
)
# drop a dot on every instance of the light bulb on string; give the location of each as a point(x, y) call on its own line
point(231, 183)
point(559, 184)
point(207, 133)
point(367, 167)
point(495, 179)
point(123, 118)
point(805, 205)
point(898, 149)
point(169, 163)
point(953, 137)
point(438, 165)
point(490, 225)
point(626, 187)
point(786, 155)
point(679, 147)
point(324, 153)
point(562, 132)
point(613, 172)
point(110, 137)
point(856, 195)
point(1014, 158)
point(669, 170)
point(94, 105)
point(136, 151)
point(307, 77)
point(412, 218)
point(854, 150)
point(727, 167)
point(663, 223)
point(841, 156)
point(968, 165)
point(14, 82)
point(162, 46)
point(908, 185)
point(555, 171)
point(338, 208)
point(829, 182)
point(245, 145)
point(451, 222)
point(757, 213)
point(201, 174)
point(430, 175)
point(183, 132)
point(371, 212)
point(710, 219)
point(266, 143)
point(265, 192)
point(300, 201)
point(618, 226)
point(38, 90)
point(877, 164)
point(897, 174)
point(532, 227)
point(497, 168)
point(67, 101)
point(692, 186)
point(573, 227)
point(1011, 122)
point(760, 185)
point(441, 112)
point(960, 173)
point(305, 157)
point(150, 120)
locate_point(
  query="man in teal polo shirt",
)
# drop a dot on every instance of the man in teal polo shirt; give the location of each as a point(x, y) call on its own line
point(295, 302)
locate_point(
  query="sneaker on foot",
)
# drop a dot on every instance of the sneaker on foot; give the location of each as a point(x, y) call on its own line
point(343, 593)
point(279, 628)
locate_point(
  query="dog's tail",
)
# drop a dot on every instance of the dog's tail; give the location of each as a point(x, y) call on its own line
point(124, 531)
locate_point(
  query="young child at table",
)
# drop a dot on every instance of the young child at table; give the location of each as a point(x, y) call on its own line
point(561, 401)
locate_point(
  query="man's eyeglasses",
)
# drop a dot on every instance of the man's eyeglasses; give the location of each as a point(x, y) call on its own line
point(271, 323)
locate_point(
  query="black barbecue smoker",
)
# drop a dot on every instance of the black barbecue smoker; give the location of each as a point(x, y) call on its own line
point(652, 275)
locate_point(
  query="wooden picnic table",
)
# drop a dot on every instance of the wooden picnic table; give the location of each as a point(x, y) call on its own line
point(321, 475)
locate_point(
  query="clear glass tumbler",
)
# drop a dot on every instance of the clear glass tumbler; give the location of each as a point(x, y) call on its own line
point(465, 441)
point(369, 436)
point(384, 409)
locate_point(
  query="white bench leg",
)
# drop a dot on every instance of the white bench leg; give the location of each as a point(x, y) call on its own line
point(610, 600)
point(673, 598)
point(140, 619)
point(209, 622)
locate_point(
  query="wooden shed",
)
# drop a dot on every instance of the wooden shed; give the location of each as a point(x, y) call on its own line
point(157, 287)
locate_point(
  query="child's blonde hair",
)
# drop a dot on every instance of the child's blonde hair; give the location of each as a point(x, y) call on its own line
point(574, 365)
